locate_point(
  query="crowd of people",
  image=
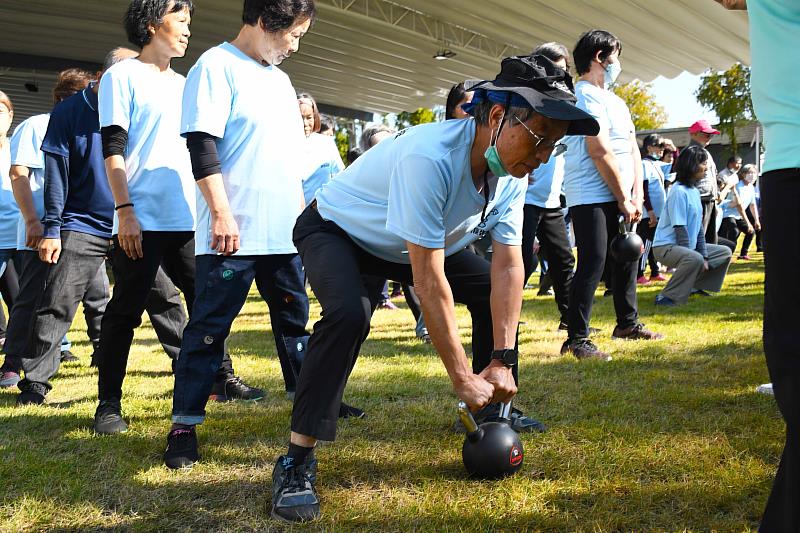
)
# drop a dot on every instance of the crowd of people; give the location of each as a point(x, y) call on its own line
point(206, 183)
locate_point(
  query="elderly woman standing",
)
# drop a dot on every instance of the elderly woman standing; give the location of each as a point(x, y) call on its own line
point(323, 157)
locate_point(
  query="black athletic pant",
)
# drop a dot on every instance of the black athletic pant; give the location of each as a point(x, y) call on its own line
point(594, 226)
point(780, 194)
point(9, 288)
point(731, 228)
point(709, 219)
point(336, 266)
point(549, 226)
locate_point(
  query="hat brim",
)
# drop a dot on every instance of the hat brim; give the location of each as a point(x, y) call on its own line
point(581, 122)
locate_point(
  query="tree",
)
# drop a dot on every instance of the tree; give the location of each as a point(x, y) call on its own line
point(647, 114)
point(727, 93)
point(422, 115)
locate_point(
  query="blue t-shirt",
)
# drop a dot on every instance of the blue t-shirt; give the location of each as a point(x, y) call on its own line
point(775, 78)
point(252, 111)
point(26, 151)
point(77, 196)
point(147, 104)
point(545, 191)
point(417, 186)
point(653, 177)
point(9, 212)
point(324, 161)
point(583, 183)
point(747, 196)
point(683, 209)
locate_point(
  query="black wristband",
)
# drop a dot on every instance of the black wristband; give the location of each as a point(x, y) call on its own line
point(509, 357)
point(117, 208)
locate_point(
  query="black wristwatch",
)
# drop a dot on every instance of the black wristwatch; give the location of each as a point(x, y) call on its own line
point(508, 356)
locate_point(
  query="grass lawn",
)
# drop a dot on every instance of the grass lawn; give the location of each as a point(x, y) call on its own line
point(670, 436)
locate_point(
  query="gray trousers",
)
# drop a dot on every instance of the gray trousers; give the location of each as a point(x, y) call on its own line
point(689, 273)
point(79, 273)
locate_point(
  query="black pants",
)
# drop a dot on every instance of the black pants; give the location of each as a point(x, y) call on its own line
point(549, 226)
point(594, 226)
point(752, 218)
point(335, 266)
point(174, 250)
point(710, 219)
point(780, 194)
point(647, 233)
point(731, 228)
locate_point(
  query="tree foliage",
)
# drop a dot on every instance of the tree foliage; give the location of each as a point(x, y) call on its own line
point(422, 115)
point(727, 93)
point(647, 114)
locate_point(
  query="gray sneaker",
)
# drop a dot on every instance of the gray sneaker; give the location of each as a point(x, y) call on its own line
point(294, 498)
point(108, 418)
point(9, 379)
point(766, 388)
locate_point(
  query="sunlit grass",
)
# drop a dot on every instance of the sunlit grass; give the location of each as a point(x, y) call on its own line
point(670, 436)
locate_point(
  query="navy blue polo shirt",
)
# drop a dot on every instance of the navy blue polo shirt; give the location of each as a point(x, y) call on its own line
point(77, 196)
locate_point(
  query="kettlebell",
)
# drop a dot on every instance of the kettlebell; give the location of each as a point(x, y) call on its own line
point(627, 246)
point(492, 450)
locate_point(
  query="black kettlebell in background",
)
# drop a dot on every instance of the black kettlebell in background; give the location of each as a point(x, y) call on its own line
point(492, 450)
point(627, 246)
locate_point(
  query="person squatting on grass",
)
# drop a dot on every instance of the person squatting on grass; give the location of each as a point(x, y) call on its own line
point(680, 241)
point(774, 27)
point(735, 219)
point(150, 175)
point(407, 210)
point(245, 135)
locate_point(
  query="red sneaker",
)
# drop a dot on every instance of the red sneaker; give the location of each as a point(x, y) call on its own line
point(659, 277)
point(744, 258)
point(642, 280)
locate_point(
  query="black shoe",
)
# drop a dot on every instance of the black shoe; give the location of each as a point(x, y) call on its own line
point(525, 424)
point(108, 418)
point(348, 411)
point(700, 292)
point(583, 349)
point(234, 388)
point(181, 448)
point(68, 357)
point(294, 498)
point(31, 394)
point(491, 413)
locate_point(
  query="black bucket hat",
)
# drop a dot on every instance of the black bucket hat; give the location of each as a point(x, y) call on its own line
point(547, 88)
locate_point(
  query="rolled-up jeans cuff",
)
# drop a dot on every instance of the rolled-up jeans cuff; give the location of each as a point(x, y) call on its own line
point(188, 420)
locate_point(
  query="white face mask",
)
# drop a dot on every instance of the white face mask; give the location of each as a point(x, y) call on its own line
point(612, 72)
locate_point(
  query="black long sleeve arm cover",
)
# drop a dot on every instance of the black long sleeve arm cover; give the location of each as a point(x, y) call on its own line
point(648, 205)
point(204, 155)
point(682, 236)
point(115, 139)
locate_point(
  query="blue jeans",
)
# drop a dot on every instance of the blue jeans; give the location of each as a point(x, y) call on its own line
point(222, 284)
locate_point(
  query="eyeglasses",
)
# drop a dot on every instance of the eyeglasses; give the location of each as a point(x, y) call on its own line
point(557, 147)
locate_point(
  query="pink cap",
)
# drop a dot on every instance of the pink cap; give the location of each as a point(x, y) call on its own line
point(703, 126)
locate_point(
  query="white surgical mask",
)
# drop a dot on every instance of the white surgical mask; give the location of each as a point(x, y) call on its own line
point(612, 72)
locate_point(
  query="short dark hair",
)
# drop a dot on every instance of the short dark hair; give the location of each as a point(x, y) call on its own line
point(454, 97)
point(142, 14)
point(71, 81)
point(353, 154)
point(310, 100)
point(277, 15)
point(326, 123)
point(589, 44)
point(688, 164)
point(653, 139)
point(113, 57)
point(554, 52)
point(734, 159)
point(482, 109)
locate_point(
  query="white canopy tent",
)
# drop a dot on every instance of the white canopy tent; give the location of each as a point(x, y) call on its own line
point(377, 55)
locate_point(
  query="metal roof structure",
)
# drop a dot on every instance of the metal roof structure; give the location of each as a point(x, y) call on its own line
point(377, 55)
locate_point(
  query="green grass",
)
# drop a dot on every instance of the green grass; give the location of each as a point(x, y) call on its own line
point(670, 436)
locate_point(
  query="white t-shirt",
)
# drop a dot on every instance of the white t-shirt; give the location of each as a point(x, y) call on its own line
point(417, 186)
point(252, 111)
point(147, 104)
point(26, 151)
point(583, 183)
point(324, 162)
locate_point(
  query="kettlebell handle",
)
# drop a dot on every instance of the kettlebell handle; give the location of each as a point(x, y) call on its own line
point(622, 230)
point(469, 421)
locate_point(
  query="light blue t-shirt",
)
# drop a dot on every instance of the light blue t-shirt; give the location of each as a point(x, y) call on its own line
point(417, 186)
point(775, 78)
point(545, 191)
point(26, 151)
point(9, 212)
point(147, 104)
point(583, 183)
point(683, 208)
point(324, 161)
point(747, 196)
point(252, 111)
point(653, 177)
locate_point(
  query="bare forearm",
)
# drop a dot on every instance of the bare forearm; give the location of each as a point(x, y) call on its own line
point(507, 277)
point(213, 190)
point(638, 171)
point(21, 186)
point(606, 163)
point(117, 179)
point(733, 4)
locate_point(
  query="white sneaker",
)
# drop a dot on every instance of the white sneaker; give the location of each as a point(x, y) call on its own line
point(766, 388)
